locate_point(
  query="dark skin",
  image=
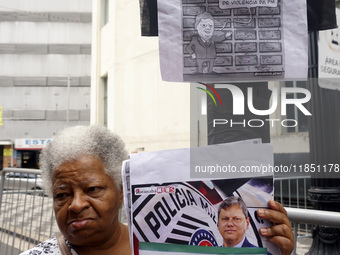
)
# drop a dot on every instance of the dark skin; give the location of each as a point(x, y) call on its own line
point(281, 232)
point(86, 204)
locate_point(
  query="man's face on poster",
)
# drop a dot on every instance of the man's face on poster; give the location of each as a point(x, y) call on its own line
point(205, 28)
point(232, 224)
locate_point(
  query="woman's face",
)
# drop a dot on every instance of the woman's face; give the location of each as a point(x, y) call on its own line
point(86, 201)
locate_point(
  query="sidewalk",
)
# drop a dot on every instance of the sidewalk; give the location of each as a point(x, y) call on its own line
point(303, 245)
point(9, 249)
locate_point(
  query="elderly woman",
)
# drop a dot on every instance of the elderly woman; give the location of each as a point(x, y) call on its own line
point(81, 170)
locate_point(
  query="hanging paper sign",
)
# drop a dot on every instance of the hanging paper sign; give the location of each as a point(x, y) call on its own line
point(232, 40)
point(329, 58)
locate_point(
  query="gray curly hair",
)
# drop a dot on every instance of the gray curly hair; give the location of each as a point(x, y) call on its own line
point(73, 142)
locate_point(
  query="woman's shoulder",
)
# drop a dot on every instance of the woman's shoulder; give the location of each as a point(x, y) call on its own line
point(49, 246)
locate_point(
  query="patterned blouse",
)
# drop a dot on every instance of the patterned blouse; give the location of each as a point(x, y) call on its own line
point(48, 247)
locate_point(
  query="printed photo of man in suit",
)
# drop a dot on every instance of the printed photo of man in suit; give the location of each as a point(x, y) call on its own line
point(233, 222)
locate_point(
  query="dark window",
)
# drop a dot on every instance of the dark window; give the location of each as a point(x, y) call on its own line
point(295, 113)
point(105, 11)
point(105, 100)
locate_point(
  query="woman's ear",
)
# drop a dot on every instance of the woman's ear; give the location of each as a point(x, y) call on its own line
point(121, 196)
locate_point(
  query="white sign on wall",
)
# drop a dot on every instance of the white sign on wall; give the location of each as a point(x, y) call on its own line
point(31, 143)
point(329, 57)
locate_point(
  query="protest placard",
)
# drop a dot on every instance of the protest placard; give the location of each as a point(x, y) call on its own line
point(232, 40)
point(165, 205)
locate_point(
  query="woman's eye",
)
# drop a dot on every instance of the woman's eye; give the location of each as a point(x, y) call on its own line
point(60, 195)
point(94, 189)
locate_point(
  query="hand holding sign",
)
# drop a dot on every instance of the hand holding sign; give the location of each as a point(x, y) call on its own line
point(280, 234)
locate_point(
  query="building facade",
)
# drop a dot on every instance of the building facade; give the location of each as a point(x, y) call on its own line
point(128, 94)
point(45, 58)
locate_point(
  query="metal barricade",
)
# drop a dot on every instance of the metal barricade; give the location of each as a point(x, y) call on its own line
point(26, 213)
point(316, 217)
point(27, 217)
point(292, 192)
